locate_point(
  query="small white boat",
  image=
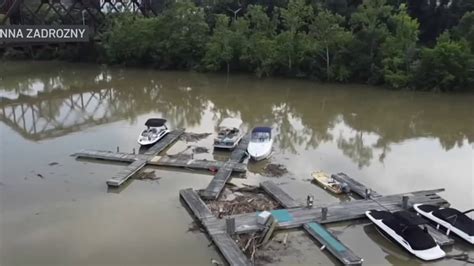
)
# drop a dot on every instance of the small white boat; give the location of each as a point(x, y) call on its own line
point(453, 220)
point(229, 133)
point(261, 142)
point(404, 229)
point(156, 130)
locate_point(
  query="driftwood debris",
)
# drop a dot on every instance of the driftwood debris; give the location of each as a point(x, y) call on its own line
point(237, 200)
point(275, 170)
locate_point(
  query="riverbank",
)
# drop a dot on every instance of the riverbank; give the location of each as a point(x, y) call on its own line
point(373, 42)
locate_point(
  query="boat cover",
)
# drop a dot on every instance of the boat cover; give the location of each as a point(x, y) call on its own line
point(452, 216)
point(155, 122)
point(413, 234)
point(262, 129)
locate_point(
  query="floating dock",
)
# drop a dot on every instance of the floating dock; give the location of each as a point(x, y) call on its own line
point(356, 187)
point(279, 195)
point(151, 157)
point(332, 244)
point(222, 176)
point(219, 236)
point(310, 219)
point(366, 193)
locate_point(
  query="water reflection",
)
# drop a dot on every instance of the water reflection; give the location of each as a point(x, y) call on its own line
point(46, 100)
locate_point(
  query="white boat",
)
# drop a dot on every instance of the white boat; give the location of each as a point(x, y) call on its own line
point(404, 229)
point(453, 220)
point(156, 130)
point(261, 142)
point(229, 133)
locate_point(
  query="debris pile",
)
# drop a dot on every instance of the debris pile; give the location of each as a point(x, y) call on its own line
point(275, 170)
point(146, 175)
point(193, 137)
point(237, 200)
point(198, 150)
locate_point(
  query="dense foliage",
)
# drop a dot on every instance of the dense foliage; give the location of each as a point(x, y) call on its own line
point(404, 44)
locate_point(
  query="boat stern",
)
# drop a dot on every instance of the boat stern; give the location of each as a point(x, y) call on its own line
point(433, 253)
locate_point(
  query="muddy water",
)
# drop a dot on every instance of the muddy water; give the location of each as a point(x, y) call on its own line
point(55, 210)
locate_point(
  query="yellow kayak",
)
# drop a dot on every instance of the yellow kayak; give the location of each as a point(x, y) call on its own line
point(327, 182)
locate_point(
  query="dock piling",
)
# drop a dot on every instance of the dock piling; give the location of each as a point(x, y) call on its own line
point(230, 226)
point(405, 202)
point(324, 213)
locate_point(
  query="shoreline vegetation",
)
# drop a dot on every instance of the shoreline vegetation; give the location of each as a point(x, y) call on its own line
point(421, 45)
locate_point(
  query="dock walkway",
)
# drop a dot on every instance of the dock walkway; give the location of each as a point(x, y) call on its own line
point(332, 244)
point(222, 176)
point(222, 240)
point(279, 195)
point(151, 157)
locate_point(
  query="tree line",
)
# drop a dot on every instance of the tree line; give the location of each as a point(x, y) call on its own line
point(425, 45)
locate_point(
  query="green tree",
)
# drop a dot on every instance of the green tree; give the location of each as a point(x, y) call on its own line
point(220, 48)
point(465, 29)
point(448, 66)
point(129, 39)
point(226, 43)
point(292, 42)
point(259, 52)
point(330, 38)
point(369, 25)
point(182, 36)
point(399, 49)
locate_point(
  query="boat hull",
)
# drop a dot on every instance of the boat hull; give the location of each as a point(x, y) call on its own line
point(260, 150)
point(322, 179)
point(433, 253)
point(148, 142)
point(445, 224)
point(227, 147)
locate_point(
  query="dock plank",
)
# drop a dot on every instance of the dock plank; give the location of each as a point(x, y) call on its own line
point(217, 184)
point(332, 244)
point(195, 203)
point(165, 142)
point(106, 155)
point(439, 237)
point(339, 212)
point(355, 186)
point(230, 250)
point(193, 164)
point(279, 195)
point(240, 151)
point(124, 174)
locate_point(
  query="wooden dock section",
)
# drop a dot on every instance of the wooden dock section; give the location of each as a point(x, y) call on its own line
point(332, 244)
point(222, 240)
point(194, 164)
point(165, 142)
point(123, 175)
point(355, 186)
point(279, 195)
point(106, 155)
point(217, 184)
point(150, 157)
point(439, 237)
point(339, 212)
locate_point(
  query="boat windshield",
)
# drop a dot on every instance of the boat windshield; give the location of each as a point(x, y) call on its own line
point(260, 136)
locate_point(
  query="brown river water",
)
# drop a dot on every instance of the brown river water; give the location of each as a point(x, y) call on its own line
point(56, 210)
